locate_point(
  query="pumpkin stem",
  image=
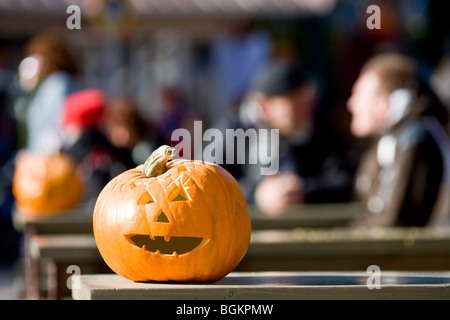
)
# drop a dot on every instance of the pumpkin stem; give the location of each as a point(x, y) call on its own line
point(155, 165)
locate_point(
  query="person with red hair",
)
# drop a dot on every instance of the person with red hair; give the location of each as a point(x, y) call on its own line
point(98, 160)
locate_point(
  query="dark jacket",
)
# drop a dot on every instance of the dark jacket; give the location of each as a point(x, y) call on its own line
point(402, 176)
point(320, 159)
point(98, 160)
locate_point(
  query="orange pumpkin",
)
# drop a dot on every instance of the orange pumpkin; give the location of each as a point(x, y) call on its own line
point(180, 220)
point(46, 184)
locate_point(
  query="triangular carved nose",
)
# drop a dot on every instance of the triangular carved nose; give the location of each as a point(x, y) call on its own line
point(163, 218)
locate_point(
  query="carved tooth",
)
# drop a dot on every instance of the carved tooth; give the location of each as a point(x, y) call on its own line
point(157, 252)
point(166, 238)
point(152, 237)
point(144, 247)
point(175, 254)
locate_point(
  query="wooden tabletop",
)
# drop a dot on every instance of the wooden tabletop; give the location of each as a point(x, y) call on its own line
point(270, 286)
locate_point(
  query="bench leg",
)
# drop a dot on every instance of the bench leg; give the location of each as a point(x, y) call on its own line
point(52, 280)
point(32, 287)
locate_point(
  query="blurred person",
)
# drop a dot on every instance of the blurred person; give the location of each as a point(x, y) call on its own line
point(440, 80)
point(312, 165)
point(402, 176)
point(175, 112)
point(48, 74)
point(236, 58)
point(98, 160)
point(125, 128)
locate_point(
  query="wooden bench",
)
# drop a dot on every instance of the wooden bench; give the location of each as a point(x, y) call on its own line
point(311, 249)
point(74, 221)
point(270, 286)
point(50, 246)
point(70, 248)
point(307, 249)
point(276, 250)
point(78, 220)
point(51, 255)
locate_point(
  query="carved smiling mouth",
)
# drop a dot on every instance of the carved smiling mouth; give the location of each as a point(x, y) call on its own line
point(164, 245)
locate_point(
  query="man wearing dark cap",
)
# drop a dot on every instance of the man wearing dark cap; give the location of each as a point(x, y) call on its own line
point(312, 168)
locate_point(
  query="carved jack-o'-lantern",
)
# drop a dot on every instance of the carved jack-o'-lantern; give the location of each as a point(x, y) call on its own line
point(180, 220)
point(46, 184)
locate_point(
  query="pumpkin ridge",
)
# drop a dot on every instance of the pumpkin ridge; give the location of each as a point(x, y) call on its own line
point(228, 203)
point(201, 193)
point(214, 211)
point(231, 199)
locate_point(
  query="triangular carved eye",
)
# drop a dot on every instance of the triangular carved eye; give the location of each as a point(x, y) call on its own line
point(179, 197)
point(146, 198)
point(162, 218)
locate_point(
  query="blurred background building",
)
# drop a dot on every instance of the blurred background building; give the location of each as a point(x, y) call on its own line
point(179, 52)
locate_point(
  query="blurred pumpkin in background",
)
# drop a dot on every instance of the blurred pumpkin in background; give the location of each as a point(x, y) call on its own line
point(180, 220)
point(46, 184)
